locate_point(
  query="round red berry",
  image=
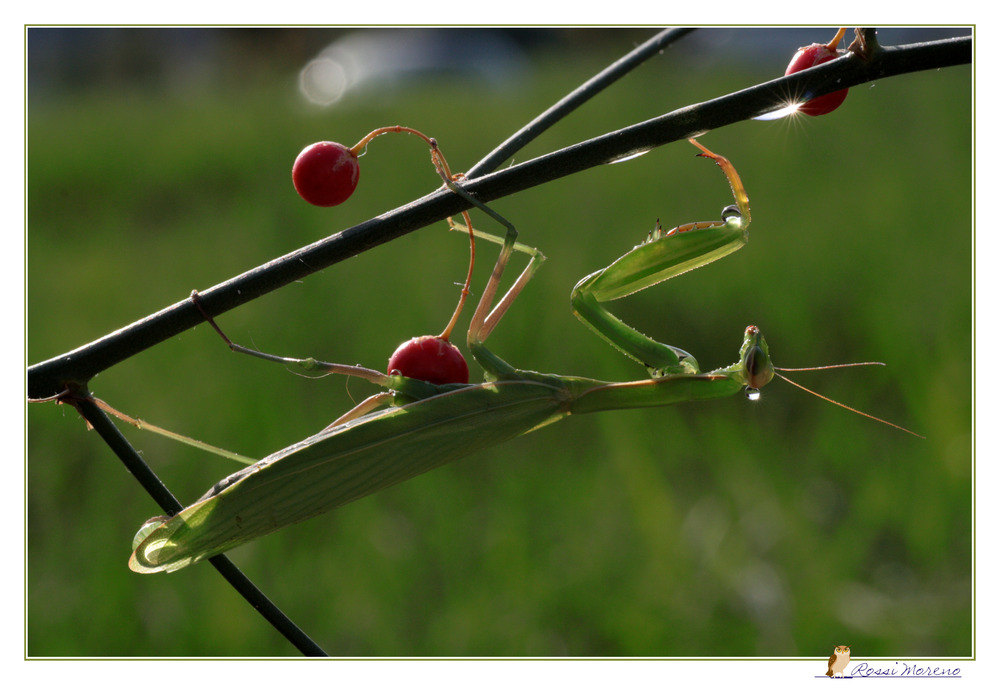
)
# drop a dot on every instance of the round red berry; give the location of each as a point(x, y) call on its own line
point(325, 174)
point(810, 56)
point(429, 358)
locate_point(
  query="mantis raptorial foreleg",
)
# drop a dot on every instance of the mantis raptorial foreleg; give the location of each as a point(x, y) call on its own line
point(663, 255)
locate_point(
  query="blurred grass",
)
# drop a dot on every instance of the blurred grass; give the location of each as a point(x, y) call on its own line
point(780, 527)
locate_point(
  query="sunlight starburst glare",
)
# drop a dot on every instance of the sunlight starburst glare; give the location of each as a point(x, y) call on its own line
point(786, 110)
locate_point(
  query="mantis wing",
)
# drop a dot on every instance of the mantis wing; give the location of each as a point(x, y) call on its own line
point(348, 462)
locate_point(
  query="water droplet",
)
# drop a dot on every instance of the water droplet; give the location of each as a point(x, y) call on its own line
point(753, 393)
point(730, 211)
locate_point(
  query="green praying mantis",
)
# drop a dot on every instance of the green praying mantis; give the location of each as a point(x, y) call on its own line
point(412, 426)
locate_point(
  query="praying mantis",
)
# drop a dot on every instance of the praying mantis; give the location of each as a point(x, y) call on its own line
point(413, 426)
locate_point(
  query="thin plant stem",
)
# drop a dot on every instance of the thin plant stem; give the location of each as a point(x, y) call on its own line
point(575, 99)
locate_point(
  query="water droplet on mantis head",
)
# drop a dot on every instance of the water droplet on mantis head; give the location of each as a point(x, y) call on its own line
point(753, 393)
point(730, 212)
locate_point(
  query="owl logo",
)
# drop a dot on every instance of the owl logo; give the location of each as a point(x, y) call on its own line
point(838, 661)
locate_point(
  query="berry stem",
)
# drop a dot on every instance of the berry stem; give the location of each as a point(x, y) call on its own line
point(832, 45)
point(360, 146)
point(441, 164)
point(444, 171)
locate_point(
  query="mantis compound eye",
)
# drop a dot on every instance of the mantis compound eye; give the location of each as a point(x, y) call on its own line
point(758, 370)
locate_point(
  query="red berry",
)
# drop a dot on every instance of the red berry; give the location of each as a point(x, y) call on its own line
point(430, 358)
point(325, 174)
point(810, 56)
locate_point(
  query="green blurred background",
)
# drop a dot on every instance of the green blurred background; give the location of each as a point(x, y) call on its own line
point(158, 162)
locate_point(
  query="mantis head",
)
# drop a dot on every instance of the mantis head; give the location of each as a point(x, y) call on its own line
point(757, 371)
point(755, 362)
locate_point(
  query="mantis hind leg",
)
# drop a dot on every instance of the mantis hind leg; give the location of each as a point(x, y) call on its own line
point(310, 364)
